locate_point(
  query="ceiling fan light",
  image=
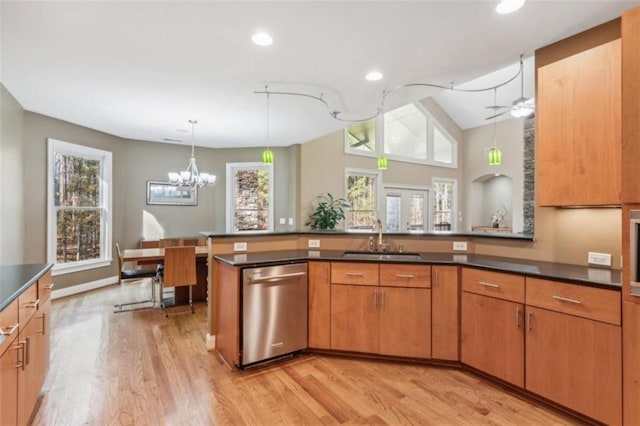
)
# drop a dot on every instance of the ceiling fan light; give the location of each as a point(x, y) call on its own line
point(522, 109)
point(509, 6)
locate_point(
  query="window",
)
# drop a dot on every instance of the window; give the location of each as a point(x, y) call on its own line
point(406, 209)
point(362, 195)
point(79, 207)
point(249, 197)
point(408, 133)
point(444, 204)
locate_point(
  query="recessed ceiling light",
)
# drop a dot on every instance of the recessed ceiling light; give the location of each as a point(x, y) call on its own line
point(508, 6)
point(262, 39)
point(374, 76)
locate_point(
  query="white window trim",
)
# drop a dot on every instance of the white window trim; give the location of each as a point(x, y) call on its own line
point(454, 203)
point(431, 123)
point(379, 192)
point(229, 195)
point(105, 157)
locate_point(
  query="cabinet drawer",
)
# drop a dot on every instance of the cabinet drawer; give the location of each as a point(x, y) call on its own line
point(27, 305)
point(394, 275)
point(493, 284)
point(45, 285)
point(8, 325)
point(354, 273)
point(587, 302)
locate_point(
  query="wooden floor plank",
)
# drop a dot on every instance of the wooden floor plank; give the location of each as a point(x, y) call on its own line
point(144, 369)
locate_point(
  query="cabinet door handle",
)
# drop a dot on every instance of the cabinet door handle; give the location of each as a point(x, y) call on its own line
point(375, 299)
point(435, 273)
point(354, 274)
point(529, 318)
point(408, 276)
point(326, 274)
point(43, 316)
point(567, 299)
point(49, 287)
point(383, 299)
point(20, 347)
point(486, 284)
point(27, 350)
point(518, 321)
point(33, 304)
point(8, 331)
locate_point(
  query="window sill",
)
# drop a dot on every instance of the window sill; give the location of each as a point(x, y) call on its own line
point(61, 269)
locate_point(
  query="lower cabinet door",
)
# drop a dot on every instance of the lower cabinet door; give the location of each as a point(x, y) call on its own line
point(405, 322)
point(31, 378)
point(492, 337)
point(9, 364)
point(575, 362)
point(354, 318)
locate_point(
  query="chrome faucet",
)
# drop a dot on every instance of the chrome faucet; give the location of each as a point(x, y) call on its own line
point(382, 247)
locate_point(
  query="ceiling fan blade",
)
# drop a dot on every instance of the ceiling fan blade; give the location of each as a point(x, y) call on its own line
point(496, 115)
point(496, 107)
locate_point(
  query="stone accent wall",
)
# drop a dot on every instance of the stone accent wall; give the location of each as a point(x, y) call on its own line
point(529, 174)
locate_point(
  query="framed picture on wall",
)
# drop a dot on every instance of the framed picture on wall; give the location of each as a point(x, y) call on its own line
point(166, 194)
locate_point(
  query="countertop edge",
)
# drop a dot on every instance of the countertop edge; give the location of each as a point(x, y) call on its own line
point(21, 289)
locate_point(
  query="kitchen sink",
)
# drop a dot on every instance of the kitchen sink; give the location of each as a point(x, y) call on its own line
point(368, 255)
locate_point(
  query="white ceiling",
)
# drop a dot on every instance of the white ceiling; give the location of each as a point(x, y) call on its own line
point(141, 70)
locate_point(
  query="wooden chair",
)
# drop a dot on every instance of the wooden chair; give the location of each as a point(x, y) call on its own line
point(129, 274)
point(179, 270)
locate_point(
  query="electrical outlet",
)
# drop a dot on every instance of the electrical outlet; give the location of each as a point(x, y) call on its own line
point(314, 243)
point(290, 221)
point(460, 245)
point(239, 246)
point(600, 259)
point(282, 221)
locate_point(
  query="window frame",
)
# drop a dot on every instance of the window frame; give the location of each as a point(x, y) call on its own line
point(380, 143)
point(106, 196)
point(230, 205)
point(404, 190)
point(378, 190)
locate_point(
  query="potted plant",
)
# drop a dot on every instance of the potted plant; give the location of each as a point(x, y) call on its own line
point(327, 212)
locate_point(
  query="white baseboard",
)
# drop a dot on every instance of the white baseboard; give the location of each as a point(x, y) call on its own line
point(81, 288)
point(210, 342)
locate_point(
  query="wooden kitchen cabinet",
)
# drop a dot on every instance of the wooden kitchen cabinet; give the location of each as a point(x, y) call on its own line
point(578, 134)
point(575, 362)
point(319, 274)
point(492, 337)
point(492, 330)
point(355, 318)
point(573, 347)
point(445, 313)
point(630, 34)
point(631, 366)
point(9, 365)
point(405, 322)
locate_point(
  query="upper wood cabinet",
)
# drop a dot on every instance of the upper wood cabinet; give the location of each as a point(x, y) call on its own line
point(578, 138)
point(630, 30)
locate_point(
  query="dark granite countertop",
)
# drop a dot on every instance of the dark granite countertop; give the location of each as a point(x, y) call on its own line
point(15, 279)
point(597, 277)
point(438, 234)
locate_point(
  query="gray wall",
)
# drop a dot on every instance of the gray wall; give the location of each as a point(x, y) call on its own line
point(12, 225)
point(23, 208)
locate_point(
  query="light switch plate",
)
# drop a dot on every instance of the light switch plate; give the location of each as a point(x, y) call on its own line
point(314, 243)
point(460, 245)
point(282, 221)
point(239, 246)
point(600, 259)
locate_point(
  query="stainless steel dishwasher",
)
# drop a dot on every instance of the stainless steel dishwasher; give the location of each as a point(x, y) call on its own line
point(274, 312)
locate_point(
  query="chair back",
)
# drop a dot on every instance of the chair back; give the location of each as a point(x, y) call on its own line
point(179, 266)
point(170, 242)
point(149, 244)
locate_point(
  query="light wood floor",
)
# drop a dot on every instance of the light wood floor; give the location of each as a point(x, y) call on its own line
point(142, 368)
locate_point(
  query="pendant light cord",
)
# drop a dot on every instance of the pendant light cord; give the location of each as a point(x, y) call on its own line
point(193, 127)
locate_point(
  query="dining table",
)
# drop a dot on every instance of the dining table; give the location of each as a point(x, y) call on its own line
point(153, 256)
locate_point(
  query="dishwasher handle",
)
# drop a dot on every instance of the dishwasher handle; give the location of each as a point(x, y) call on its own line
point(275, 278)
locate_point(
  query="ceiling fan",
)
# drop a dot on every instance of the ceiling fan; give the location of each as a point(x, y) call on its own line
point(521, 107)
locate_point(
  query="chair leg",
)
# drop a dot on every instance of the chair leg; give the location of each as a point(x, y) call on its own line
point(191, 309)
point(119, 307)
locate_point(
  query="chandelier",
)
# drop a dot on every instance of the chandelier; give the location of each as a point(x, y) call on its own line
point(191, 177)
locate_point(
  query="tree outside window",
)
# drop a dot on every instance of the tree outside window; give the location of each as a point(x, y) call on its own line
point(361, 195)
point(249, 195)
point(443, 211)
point(79, 205)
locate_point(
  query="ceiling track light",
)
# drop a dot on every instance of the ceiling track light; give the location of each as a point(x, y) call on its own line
point(339, 115)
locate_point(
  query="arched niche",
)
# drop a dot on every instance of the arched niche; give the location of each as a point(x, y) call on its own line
point(493, 194)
